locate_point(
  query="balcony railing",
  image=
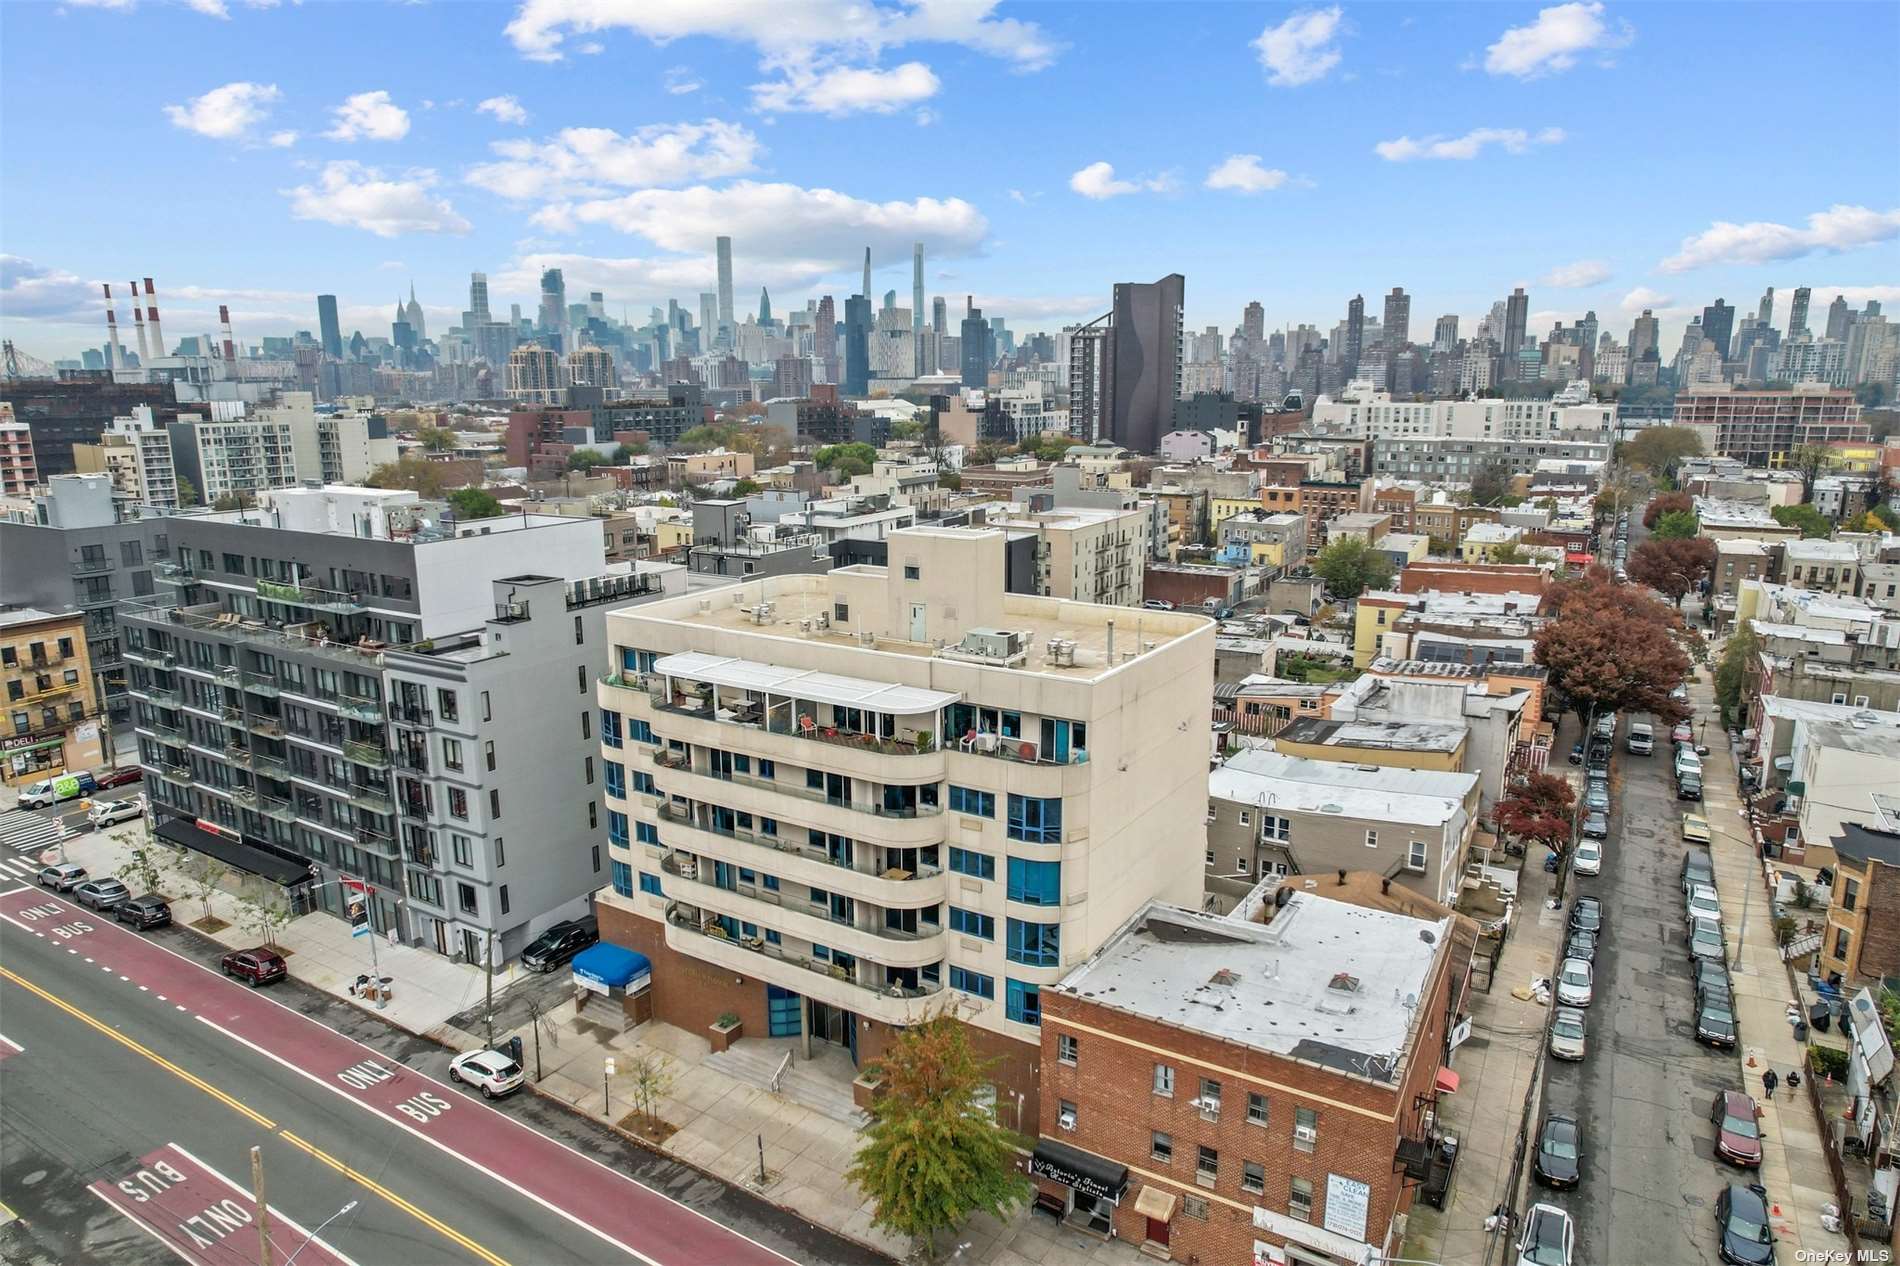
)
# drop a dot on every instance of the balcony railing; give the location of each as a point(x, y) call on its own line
point(786, 787)
point(151, 658)
point(375, 755)
point(277, 810)
point(676, 914)
point(410, 714)
point(918, 742)
point(367, 710)
point(375, 839)
point(246, 796)
point(310, 596)
point(92, 566)
point(166, 696)
point(227, 674)
point(174, 573)
point(268, 726)
point(180, 773)
point(789, 846)
point(270, 766)
point(263, 684)
point(372, 798)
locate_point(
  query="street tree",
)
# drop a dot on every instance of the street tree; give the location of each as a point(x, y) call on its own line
point(436, 439)
point(264, 916)
point(1810, 460)
point(585, 459)
point(933, 1153)
point(1613, 648)
point(1662, 448)
point(1666, 503)
point(1350, 566)
point(204, 875)
point(1538, 810)
point(1673, 568)
point(1813, 524)
point(1490, 483)
point(144, 870)
point(650, 1076)
point(907, 429)
point(1865, 521)
point(1736, 675)
point(1676, 525)
point(475, 503)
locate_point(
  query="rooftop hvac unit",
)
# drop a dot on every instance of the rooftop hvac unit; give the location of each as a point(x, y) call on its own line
point(993, 643)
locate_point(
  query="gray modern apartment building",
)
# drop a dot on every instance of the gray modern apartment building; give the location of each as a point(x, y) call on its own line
point(1145, 372)
point(345, 686)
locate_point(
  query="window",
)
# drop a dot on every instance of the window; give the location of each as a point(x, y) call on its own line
point(458, 803)
point(639, 731)
point(494, 802)
point(1244, 818)
point(502, 892)
point(1841, 941)
point(1256, 1109)
point(1194, 1207)
point(458, 845)
point(980, 804)
point(911, 572)
point(1034, 819)
point(487, 711)
point(966, 862)
point(1253, 1177)
point(452, 753)
point(465, 898)
point(1065, 1114)
point(623, 878)
point(1272, 828)
point(609, 728)
point(1024, 1002)
point(596, 852)
point(964, 980)
point(1035, 883)
point(580, 678)
point(1305, 1129)
point(580, 634)
point(1207, 1166)
point(1065, 1049)
point(1210, 1096)
point(501, 854)
point(1035, 944)
point(1299, 1199)
point(445, 705)
point(840, 613)
point(649, 883)
point(647, 833)
point(587, 725)
point(1161, 1147)
point(593, 815)
point(587, 764)
point(616, 828)
point(1164, 1080)
point(1415, 855)
point(615, 777)
point(644, 784)
point(1372, 839)
point(971, 923)
point(488, 754)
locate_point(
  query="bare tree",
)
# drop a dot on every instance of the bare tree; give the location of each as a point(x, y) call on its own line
point(204, 875)
point(652, 1077)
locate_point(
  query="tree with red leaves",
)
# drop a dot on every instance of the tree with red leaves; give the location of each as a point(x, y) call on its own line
point(1538, 811)
point(1612, 648)
point(1673, 568)
point(1665, 504)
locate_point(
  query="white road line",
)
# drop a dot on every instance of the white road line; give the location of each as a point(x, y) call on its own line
point(7, 1041)
point(277, 1214)
point(144, 1226)
point(9, 892)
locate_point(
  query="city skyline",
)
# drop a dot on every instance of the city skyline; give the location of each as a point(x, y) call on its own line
point(807, 139)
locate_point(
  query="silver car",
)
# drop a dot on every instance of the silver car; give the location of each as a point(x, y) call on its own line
point(1574, 983)
point(1567, 1039)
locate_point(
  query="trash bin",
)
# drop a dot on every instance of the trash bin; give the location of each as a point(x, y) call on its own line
point(514, 1049)
point(1821, 1016)
point(1801, 1030)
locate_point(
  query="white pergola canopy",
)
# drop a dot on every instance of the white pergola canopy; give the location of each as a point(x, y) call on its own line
point(843, 692)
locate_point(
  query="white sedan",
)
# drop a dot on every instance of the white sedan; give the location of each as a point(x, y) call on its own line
point(105, 813)
point(1574, 980)
point(491, 1072)
point(1589, 858)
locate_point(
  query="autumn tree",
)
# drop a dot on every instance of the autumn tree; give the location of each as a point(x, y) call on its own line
point(1812, 522)
point(933, 1153)
point(424, 478)
point(1865, 521)
point(436, 439)
point(475, 503)
point(1490, 483)
point(1676, 525)
point(1667, 503)
point(1662, 448)
point(1735, 674)
point(1538, 810)
point(1673, 568)
point(1612, 648)
point(1350, 566)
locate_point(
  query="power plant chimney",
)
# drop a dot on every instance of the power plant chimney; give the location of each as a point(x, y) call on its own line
point(224, 330)
point(151, 318)
point(116, 356)
point(139, 321)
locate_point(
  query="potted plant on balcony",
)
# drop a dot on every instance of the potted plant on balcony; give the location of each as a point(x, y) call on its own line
point(726, 1030)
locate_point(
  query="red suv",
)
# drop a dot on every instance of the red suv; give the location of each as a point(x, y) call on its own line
point(119, 777)
point(255, 967)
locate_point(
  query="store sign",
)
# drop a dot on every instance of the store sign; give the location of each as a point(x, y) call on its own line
point(1043, 1166)
point(1460, 1032)
point(1348, 1202)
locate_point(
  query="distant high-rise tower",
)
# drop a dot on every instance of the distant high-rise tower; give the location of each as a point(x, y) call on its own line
point(765, 306)
point(1146, 364)
point(477, 299)
point(708, 319)
point(824, 337)
point(1644, 334)
point(1355, 334)
point(554, 307)
point(1798, 313)
point(857, 345)
point(890, 302)
point(1517, 312)
point(917, 304)
point(1253, 323)
point(1398, 319)
point(1445, 334)
point(866, 292)
point(723, 246)
point(331, 331)
point(412, 313)
point(978, 345)
point(1765, 311)
point(1718, 326)
point(1840, 318)
point(939, 316)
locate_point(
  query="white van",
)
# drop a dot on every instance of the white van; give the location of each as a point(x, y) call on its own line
point(1641, 740)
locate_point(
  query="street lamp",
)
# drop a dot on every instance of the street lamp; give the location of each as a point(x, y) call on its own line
point(314, 1234)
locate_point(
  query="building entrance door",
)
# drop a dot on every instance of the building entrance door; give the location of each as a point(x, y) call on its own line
point(834, 1025)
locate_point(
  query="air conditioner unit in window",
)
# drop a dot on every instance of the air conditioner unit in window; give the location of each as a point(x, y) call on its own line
point(1305, 1134)
point(1066, 1120)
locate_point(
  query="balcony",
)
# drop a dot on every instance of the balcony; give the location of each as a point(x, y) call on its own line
point(266, 726)
point(790, 859)
point(180, 773)
point(792, 915)
point(246, 796)
point(277, 810)
point(369, 711)
point(376, 841)
point(411, 715)
point(310, 596)
point(226, 675)
point(151, 658)
point(374, 755)
point(164, 696)
point(371, 799)
point(92, 566)
point(909, 826)
point(260, 683)
point(270, 766)
point(414, 809)
point(162, 729)
point(174, 573)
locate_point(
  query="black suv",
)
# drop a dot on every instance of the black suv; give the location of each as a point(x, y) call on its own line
point(148, 911)
point(559, 944)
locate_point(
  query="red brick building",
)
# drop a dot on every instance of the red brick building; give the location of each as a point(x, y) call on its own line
point(1231, 1092)
point(1452, 577)
point(531, 430)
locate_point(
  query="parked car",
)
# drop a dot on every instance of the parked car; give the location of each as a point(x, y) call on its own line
point(57, 790)
point(559, 944)
point(1689, 788)
point(1581, 944)
point(1575, 979)
point(1695, 828)
point(1741, 1218)
point(1683, 733)
point(1587, 914)
point(1559, 1160)
point(1705, 940)
point(490, 1072)
point(1158, 604)
point(1702, 903)
point(1549, 1237)
point(1713, 985)
point(61, 878)
point(259, 966)
point(120, 777)
point(1641, 740)
point(1696, 869)
point(148, 911)
point(1596, 825)
point(1568, 1038)
point(1714, 1022)
point(1737, 1128)
point(1681, 693)
point(1588, 859)
point(101, 894)
point(1705, 973)
point(105, 813)
point(1576, 753)
point(1596, 797)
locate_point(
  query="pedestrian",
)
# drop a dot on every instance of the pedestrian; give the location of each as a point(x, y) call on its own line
point(1794, 1081)
point(1769, 1081)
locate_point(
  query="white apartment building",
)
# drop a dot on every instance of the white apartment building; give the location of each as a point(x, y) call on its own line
point(136, 452)
point(330, 448)
point(240, 455)
point(1375, 414)
point(838, 801)
point(1087, 553)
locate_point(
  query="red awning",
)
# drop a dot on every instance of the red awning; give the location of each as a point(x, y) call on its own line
point(1447, 1081)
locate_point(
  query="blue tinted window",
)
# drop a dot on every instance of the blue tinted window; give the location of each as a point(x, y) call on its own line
point(623, 878)
point(971, 982)
point(1025, 1002)
point(971, 923)
point(1035, 883)
point(650, 883)
point(1035, 944)
point(616, 827)
point(981, 804)
point(966, 862)
point(1035, 819)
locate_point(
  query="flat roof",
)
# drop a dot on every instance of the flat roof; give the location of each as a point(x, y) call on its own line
point(1325, 982)
point(1410, 736)
point(33, 615)
point(1869, 741)
point(1262, 777)
point(847, 692)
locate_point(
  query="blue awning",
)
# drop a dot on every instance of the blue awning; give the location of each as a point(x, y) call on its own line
point(604, 967)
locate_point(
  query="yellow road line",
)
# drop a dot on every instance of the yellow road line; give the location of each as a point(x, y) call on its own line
point(147, 1052)
point(359, 1177)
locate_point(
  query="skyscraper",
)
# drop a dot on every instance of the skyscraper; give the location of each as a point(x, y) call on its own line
point(1253, 322)
point(554, 307)
point(1765, 312)
point(1146, 367)
point(723, 246)
point(332, 333)
point(477, 301)
point(866, 292)
point(1718, 326)
point(1398, 319)
point(824, 337)
point(1517, 311)
point(1588, 330)
point(857, 345)
point(977, 344)
point(412, 313)
point(1839, 318)
point(765, 306)
point(1798, 313)
point(1643, 336)
point(1355, 334)
point(1445, 334)
point(917, 299)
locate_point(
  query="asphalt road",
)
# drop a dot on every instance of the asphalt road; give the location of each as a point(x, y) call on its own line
point(128, 1071)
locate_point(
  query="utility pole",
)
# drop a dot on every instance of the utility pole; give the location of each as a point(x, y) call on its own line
point(488, 989)
point(263, 1209)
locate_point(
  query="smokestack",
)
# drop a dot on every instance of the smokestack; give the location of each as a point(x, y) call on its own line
point(140, 322)
point(116, 357)
point(151, 318)
point(230, 348)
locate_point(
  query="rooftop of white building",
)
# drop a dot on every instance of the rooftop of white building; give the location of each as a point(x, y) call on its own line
point(1383, 793)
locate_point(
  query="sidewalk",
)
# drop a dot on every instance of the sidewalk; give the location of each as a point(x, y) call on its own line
point(1495, 1068)
point(1794, 1160)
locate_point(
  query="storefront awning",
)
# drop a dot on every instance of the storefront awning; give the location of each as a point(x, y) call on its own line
point(605, 967)
point(1155, 1203)
point(234, 853)
point(1447, 1081)
point(1073, 1167)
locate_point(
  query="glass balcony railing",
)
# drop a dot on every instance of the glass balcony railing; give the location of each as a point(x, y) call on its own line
point(375, 755)
point(683, 916)
point(366, 710)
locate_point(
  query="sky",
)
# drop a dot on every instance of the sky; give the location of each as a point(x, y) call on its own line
point(1606, 156)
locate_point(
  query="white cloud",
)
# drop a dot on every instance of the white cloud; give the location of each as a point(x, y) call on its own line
point(1098, 181)
point(122, 6)
point(1514, 140)
point(790, 31)
point(1646, 297)
point(353, 196)
point(1839, 228)
point(580, 161)
point(43, 293)
point(283, 140)
point(1585, 272)
point(369, 116)
point(213, 8)
point(1300, 50)
point(505, 109)
point(226, 114)
point(843, 90)
point(679, 81)
point(1244, 174)
point(1560, 35)
point(1856, 295)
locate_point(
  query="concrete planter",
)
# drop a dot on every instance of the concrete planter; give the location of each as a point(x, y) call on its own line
point(722, 1036)
point(866, 1089)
